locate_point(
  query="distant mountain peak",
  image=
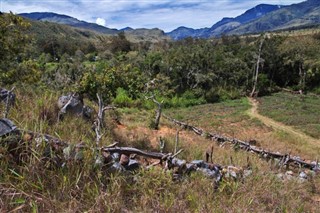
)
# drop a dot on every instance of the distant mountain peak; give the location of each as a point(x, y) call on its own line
point(126, 29)
point(262, 17)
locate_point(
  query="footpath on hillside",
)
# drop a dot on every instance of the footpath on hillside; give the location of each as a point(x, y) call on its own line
point(253, 112)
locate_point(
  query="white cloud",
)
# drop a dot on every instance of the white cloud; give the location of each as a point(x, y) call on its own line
point(101, 21)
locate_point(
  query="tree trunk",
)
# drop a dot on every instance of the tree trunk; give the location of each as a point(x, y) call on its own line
point(158, 116)
point(256, 74)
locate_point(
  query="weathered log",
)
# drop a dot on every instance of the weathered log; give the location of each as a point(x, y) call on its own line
point(293, 161)
point(129, 150)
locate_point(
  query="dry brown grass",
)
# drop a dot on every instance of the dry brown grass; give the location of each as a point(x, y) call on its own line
point(80, 187)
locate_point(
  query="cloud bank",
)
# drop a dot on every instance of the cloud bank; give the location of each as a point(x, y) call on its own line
point(101, 21)
point(163, 14)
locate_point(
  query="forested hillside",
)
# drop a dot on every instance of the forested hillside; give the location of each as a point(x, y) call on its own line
point(58, 56)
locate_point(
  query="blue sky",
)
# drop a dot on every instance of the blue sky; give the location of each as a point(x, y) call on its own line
point(163, 14)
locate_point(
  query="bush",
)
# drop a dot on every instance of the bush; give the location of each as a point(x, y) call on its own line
point(222, 94)
point(122, 98)
point(187, 99)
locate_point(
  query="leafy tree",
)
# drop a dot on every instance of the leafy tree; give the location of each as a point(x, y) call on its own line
point(13, 40)
point(120, 43)
point(299, 53)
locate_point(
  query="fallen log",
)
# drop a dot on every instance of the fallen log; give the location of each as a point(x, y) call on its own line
point(129, 151)
point(293, 161)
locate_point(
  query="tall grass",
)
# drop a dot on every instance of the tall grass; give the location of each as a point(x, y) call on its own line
point(39, 185)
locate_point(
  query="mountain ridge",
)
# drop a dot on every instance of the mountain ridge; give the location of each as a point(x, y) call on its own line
point(261, 18)
point(225, 24)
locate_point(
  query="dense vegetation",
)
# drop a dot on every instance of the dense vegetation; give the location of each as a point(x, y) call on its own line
point(205, 70)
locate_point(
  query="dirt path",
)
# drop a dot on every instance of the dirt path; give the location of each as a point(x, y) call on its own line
point(253, 112)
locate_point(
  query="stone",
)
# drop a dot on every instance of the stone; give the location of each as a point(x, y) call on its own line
point(190, 167)
point(6, 127)
point(289, 175)
point(4, 94)
point(98, 163)
point(198, 163)
point(178, 162)
point(115, 156)
point(132, 165)
point(207, 172)
point(116, 167)
point(124, 160)
point(303, 175)
point(75, 106)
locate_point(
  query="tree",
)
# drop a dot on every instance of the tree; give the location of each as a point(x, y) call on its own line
point(120, 43)
point(13, 40)
point(256, 73)
point(300, 52)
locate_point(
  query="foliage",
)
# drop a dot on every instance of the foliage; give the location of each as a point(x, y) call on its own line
point(294, 110)
point(122, 98)
point(13, 40)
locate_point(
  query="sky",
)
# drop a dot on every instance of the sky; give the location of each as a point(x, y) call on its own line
point(164, 14)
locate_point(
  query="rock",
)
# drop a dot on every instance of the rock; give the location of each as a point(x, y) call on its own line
point(178, 162)
point(115, 156)
point(234, 172)
point(289, 175)
point(198, 163)
point(75, 106)
point(132, 165)
point(87, 111)
point(107, 157)
point(6, 127)
point(190, 168)
point(208, 173)
point(4, 94)
point(124, 160)
point(303, 175)
point(98, 163)
point(116, 167)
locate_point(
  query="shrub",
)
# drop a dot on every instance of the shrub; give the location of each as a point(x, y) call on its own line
point(122, 98)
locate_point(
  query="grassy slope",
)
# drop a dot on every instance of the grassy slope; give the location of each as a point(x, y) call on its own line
point(301, 112)
point(80, 187)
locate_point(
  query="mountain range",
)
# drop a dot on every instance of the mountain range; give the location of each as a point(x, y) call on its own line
point(263, 17)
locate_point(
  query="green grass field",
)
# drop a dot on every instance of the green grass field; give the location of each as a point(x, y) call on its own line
point(301, 112)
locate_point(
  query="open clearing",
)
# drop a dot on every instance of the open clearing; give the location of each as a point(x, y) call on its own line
point(253, 112)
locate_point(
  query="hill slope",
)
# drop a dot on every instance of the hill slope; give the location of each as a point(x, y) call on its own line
point(294, 16)
point(261, 18)
point(134, 35)
point(68, 20)
point(226, 24)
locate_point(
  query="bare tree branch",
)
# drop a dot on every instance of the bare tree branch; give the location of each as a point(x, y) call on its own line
point(255, 83)
point(99, 122)
point(158, 111)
